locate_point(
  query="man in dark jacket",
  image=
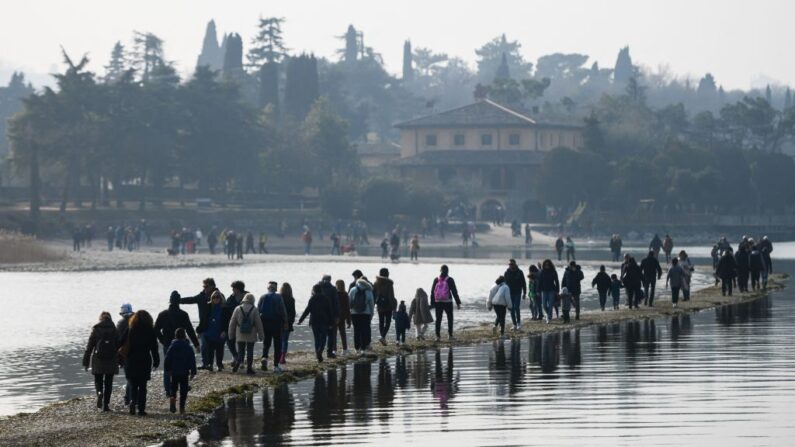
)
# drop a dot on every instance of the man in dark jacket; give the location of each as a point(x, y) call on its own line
point(559, 247)
point(274, 321)
point(727, 268)
point(330, 292)
point(602, 283)
point(202, 302)
point(743, 261)
point(320, 319)
point(384, 294)
point(514, 278)
point(232, 301)
point(631, 278)
point(166, 325)
point(650, 273)
point(571, 281)
point(766, 247)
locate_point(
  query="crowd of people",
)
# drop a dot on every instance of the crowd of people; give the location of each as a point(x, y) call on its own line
point(734, 269)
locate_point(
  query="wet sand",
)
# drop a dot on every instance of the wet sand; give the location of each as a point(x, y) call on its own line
point(77, 422)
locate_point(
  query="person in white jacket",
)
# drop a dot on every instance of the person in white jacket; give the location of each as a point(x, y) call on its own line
point(500, 301)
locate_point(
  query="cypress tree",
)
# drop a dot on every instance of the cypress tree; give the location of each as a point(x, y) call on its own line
point(623, 70)
point(503, 72)
point(211, 54)
point(269, 86)
point(301, 88)
point(351, 52)
point(233, 57)
point(408, 68)
point(768, 95)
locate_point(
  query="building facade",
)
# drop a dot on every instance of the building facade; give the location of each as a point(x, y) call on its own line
point(491, 150)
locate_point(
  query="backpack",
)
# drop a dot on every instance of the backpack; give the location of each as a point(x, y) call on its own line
point(246, 325)
point(359, 300)
point(442, 290)
point(106, 348)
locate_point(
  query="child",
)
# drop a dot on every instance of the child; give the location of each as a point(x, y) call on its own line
point(402, 323)
point(565, 298)
point(615, 290)
point(532, 294)
point(180, 362)
point(420, 313)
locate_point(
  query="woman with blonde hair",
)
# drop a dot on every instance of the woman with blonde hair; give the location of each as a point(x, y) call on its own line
point(102, 355)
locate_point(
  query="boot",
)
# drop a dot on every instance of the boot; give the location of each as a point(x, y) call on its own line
point(182, 408)
point(320, 356)
point(172, 405)
point(235, 366)
point(132, 409)
point(99, 399)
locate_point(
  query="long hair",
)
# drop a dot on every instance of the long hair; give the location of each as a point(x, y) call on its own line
point(340, 285)
point(219, 294)
point(104, 316)
point(286, 291)
point(141, 321)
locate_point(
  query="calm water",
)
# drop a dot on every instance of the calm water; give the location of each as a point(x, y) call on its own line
point(720, 377)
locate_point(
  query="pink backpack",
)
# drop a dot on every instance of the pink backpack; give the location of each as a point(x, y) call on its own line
point(441, 293)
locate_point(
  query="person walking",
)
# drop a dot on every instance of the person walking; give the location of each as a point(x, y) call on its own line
point(559, 244)
point(570, 249)
point(687, 266)
point(565, 300)
point(385, 302)
point(330, 293)
point(756, 265)
point(668, 247)
point(234, 300)
point(727, 271)
point(420, 313)
point(273, 314)
point(515, 280)
point(101, 355)
point(572, 278)
point(286, 292)
point(615, 290)
point(675, 279)
point(345, 314)
point(180, 363)
point(362, 305)
point(548, 286)
point(655, 245)
point(532, 293)
point(126, 312)
point(414, 253)
point(632, 283)
point(140, 346)
point(215, 333)
point(246, 324)
point(500, 300)
point(443, 293)
point(402, 323)
point(602, 283)
point(166, 325)
point(743, 262)
point(766, 247)
point(320, 319)
point(202, 302)
point(650, 272)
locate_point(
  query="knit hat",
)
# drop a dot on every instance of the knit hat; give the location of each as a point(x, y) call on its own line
point(126, 309)
point(174, 299)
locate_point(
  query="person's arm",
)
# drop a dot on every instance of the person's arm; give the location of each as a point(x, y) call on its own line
point(155, 355)
point(524, 285)
point(454, 291)
point(193, 299)
point(92, 343)
point(659, 270)
point(283, 311)
point(159, 329)
point(306, 311)
point(168, 360)
point(192, 363)
point(433, 295)
point(192, 332)
point(556, 282)
point(233, 322)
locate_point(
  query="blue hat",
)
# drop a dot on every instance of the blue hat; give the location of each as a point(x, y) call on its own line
point(126, 309)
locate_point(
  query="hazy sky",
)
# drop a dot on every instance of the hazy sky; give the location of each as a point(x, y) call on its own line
point(740, 42)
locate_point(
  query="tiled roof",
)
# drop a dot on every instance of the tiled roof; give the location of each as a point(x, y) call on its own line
point(472, 158)
point(483, 113)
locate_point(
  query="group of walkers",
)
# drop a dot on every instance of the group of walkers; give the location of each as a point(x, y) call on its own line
point(568, 246)
point(751, 261)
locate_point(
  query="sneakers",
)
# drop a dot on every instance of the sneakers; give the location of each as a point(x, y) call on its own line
point(172, 405)
point(382, 340)
point(277, 369)
point(331, 355)
point(235, 366)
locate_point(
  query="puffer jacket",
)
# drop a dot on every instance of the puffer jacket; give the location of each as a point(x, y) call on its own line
point(257, 332)
point(500, 295)
point(362, 284)
point(384, 293)
point(102, 331)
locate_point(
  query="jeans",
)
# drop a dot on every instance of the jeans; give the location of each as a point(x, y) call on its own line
point(648, 288)
point(361, 331)
point(675, 294)
point(275, 337)
point(285, 341)
point(205, 350)
point(245, 352)
point(331, 340)
point(616, 300)
point(516, 308)
point(500, 311)
point(343, 335)
point(320, 332)
point(384, 322)
point(539, 308)
point(181, 383)
point(215, 351)
point(138, 394)
point(103, 383)
point(548, 300)
point(441, 309)
point(602, 298)
point(726, 285)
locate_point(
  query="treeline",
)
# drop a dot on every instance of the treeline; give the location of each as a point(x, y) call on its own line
point(725, 162)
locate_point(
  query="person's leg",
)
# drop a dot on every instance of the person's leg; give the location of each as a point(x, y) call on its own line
point(183, 393)
point(107, 391)
point(602, 299)
point(381, 324)
point(646, 285)
point(277, 347)
point(516, 302)
point(675, 295)
point(134, 384)
point(172, 397)
point(652, 287)
point(439, 314)
point(266, 348)
point(501, 311)
point(98, 389)
point(331, 341)
point(576, 298)
point(219, 354)
point(166, 376)
point(343, 336)
point(249, 357)
point(232, 345)
point(141, 400)
point(449, 311)
point(357, 332)
point(241, 355)
point(205, 354)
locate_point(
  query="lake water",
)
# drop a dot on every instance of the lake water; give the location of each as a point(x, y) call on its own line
point(719, 377)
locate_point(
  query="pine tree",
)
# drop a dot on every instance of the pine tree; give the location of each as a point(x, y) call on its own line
point(268, 45)
point(706, 86)
point(408, 66)
point(147, 54)
point(211, 54)
point(624, 70)
point(117, 64)
point(503, 72)
point(351, 51)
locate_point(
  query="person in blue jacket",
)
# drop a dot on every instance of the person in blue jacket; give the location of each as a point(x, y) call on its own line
point(180, 363)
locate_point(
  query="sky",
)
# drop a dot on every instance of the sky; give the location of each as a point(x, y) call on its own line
point(742, 43)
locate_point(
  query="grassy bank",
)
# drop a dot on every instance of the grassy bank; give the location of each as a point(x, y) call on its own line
point(78, 423)
point(16, 248)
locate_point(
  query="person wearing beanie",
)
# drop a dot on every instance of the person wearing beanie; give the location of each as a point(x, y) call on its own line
point(122, 325)
point(166, 325)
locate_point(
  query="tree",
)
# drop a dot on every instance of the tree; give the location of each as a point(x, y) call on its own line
point(147, 54)
point(350, 53)
point(233, 57)
point(768, 95)
point(269, 86)
point(787, 99)
point(624, 70)
point(568, 177)
point(503, 72)
point(707, 87)
point(117, 65)
point(382, 198)
point(592, 134)
point(426, 201)
point(408, 68)
point(326, 136)
point(268, 45)
point(339, 198)
point(490, 57)
point(211, 54)
point(301, 86)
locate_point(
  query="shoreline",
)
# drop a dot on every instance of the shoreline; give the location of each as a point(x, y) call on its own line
point(74, 422)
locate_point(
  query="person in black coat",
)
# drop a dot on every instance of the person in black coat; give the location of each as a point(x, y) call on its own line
point(202, 302)
point(571, 281)
point(180, 364)
point(651, 272)
point(743, 261)
point(726, 271)
point(602, 283)
point(142, 358)
point(101, 355)
point(756, 264)
point(320, 319)
point(166, 325)
point(631, 278)
point(514, 278)
point(548, 286)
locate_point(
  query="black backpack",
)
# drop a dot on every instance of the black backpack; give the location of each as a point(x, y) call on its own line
point(106, 348)
point(246, 325)
point(359, 300)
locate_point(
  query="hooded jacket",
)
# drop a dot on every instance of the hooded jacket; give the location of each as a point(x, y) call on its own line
point(571, 280)
point(104, 330)
point(247, 308)
point(500, 295)
point(420, 309)
point(180, 360)
point(362, 284)
point(384, 293)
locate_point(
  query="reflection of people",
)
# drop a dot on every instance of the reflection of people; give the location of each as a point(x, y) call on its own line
point(278, 418)
point(443, 383)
